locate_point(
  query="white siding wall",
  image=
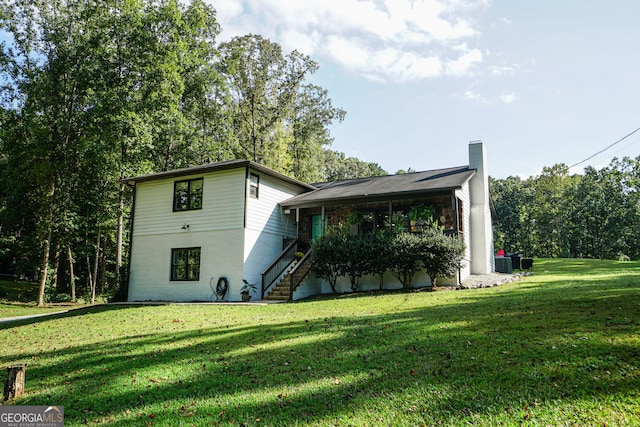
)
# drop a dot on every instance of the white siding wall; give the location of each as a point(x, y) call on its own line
point(217, 229)
point(264, 213)
point(222, 205)
point(266, 226)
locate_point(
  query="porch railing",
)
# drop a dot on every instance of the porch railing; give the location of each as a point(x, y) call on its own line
point(300, 272)
point(275, 270)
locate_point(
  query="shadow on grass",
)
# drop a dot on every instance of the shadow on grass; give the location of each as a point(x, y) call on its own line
point(72, 312)
point(488, 354)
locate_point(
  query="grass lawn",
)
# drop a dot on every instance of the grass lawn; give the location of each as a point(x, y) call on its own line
point(18, 298)
point(560, 348)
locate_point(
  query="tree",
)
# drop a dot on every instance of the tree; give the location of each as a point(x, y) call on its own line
point(277, 118)
point(98, 91)
point(513, 199)
point(94, 92)
point(338, 166)
point(264, 85)
point(313, 112)
point(601, 214)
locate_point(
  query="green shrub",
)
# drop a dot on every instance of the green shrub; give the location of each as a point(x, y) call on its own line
point(404, 257)
point(328, 261)
point(440, 255)
point(53, 295)
point(403, 254)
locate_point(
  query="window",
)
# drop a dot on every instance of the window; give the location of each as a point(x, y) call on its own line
point(185, 264)
point(372, 221)
point(254, 184)
point(187, 195)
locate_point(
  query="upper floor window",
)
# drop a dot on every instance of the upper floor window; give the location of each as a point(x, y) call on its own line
point(187, 195)
point(254, 185)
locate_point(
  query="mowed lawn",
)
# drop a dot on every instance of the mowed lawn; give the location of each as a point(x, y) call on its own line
point(559, 348)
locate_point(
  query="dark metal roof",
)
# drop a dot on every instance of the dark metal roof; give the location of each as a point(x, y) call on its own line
point(383, 187)
point(212, 167)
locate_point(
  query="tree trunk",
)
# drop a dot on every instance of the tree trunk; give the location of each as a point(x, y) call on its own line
point(103, 270)
point(89, 274)
point(14, 386)
point(45, 268)
point(46, 247)
point(56, 265)
point(72, 280)
point(95, 268)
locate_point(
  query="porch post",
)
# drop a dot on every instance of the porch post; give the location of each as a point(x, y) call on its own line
point(322, 222)
point(454, 207)
point(390, 216)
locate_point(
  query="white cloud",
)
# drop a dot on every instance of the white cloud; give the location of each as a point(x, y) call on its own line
point(387, 40)
point(474, 96)
point(502, 70)
point(464, 62)
point(508, 97)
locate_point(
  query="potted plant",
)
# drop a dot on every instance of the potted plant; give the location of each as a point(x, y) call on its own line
point(246, 290)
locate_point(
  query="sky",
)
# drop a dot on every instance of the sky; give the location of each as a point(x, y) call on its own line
point(540, 83)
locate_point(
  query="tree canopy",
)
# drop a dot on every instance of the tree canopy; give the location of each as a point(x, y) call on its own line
point(593, 215)
point(96, 91)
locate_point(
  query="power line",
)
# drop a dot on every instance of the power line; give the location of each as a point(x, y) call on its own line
point(605, 149)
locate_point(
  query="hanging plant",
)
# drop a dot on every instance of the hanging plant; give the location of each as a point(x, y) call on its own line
point(355, 218)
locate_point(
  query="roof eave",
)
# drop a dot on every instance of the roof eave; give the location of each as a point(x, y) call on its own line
point(404, 195)
point(215, 167)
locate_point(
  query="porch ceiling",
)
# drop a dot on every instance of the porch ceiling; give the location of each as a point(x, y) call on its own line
point(383, 187)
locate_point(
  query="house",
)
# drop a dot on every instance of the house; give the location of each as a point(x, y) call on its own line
point(242, 221)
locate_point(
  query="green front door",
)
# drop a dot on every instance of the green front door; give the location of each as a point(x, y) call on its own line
point(316, 227)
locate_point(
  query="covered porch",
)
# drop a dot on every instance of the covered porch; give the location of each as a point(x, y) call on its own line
point(445, 209)
point(368, 206)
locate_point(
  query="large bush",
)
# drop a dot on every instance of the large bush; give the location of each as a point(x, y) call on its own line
point(440, 255)
point(404, 254)
point(341, 253)
point(328, 256)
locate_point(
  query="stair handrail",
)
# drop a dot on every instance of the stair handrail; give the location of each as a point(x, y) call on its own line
point(307, 262)
point(277, 267)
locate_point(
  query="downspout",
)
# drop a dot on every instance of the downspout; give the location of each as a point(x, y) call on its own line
point(244, 214)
